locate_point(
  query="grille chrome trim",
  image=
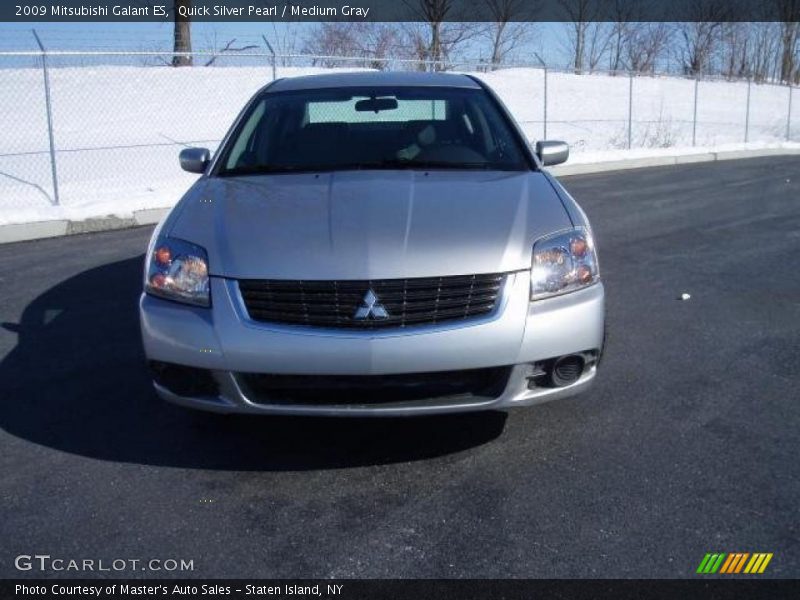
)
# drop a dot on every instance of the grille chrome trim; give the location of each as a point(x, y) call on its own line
point(332, 305)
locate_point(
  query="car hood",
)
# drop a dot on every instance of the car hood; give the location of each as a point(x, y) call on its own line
point(368, 224)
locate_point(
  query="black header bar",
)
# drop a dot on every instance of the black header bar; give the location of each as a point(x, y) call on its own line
point(37, 11)
point(411, 589)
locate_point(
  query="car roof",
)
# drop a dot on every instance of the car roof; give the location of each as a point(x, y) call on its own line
point(373, 79)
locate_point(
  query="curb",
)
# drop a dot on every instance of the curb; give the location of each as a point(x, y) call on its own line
point(19, 232)
point(665, 161)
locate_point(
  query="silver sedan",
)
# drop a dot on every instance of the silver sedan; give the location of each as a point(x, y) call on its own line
point(373, 244)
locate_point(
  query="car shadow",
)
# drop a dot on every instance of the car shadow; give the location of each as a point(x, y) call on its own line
point(76, 382)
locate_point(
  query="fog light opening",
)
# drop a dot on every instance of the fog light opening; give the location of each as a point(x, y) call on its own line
point(183, 380)
point(566, 370)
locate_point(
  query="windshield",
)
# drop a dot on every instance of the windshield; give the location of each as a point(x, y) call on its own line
point(377, 128)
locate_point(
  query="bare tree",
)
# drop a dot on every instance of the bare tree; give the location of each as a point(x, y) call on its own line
point(381, 41)
point(330, 39)
point(375, 42)
point(789, 14)
point(698, 40)
point(182, 37)
point(415, 43)
point(286, 41)
point(437, 36)
point(619, 32)
point(765, 51)
point(736, 45)
point(697, 43)
point(767, 48)
point(505, 34)
point(433, 14)
point(228, 48)
point(582, 24)
point(757, 49)
point(624, 13)
point(598, 41)
point(644, 44)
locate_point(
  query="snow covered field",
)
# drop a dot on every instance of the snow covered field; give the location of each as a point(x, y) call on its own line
point(118, 129)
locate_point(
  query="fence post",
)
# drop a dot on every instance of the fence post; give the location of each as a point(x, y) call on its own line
point(49, 109)
point(789, 115)
point(694, 116)
point(272, 58)
point(630, 108)
point(747, 115)
point(545, 102)
point(544, 66)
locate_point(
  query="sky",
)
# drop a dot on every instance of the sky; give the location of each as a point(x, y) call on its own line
point(548, 39)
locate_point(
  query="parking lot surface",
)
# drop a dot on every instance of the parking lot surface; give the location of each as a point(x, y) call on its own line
point(687, 444)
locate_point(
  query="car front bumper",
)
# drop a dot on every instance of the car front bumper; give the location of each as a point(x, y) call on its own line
point(520, 335)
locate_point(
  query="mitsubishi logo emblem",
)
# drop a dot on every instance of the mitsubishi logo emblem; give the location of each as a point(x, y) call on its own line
point(371, 308)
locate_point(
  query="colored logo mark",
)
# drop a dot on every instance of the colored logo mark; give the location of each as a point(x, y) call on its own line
point(734, 562)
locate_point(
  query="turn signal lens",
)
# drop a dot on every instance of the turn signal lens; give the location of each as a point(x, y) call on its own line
point(578, 247)
point(584, 274)
point(163, 256)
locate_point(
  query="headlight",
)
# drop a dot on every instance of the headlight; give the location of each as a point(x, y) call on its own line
point(177, 270)
point(563, 263)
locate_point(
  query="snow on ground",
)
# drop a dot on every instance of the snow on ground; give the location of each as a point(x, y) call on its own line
point(118, 129)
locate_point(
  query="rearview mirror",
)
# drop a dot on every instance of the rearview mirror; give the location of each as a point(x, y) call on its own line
point(376, 104)
point(552, 152)
point(195, 160)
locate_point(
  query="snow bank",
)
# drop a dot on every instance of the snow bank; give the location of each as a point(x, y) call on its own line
point(118, 129)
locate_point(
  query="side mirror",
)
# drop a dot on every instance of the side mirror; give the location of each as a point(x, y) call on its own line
point(552, 153)
point(195, 160)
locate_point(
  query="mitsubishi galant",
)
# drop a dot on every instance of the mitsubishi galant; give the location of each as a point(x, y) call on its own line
point(373, 244)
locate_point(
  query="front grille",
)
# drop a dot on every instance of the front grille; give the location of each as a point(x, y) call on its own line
point(407, 302)
point(332, 390)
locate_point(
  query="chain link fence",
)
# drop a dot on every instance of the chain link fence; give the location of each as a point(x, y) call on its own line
point(93, 133)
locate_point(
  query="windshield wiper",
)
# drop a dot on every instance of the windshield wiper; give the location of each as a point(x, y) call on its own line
point(267, 169)
point(384, 164)
point(403, 163)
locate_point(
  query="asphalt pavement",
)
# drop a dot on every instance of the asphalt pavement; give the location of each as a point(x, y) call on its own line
point(687, 444)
